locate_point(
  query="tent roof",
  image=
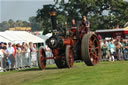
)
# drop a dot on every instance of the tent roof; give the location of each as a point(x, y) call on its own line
point(2, 39)
point(21, 36)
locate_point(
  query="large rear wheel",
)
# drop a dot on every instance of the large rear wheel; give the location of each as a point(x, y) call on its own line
point(41, 58)
point(90, 48)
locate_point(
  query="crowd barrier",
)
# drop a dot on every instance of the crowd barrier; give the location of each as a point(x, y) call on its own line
point(22, 60)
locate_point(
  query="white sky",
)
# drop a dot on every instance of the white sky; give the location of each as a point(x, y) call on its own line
point(20, 9)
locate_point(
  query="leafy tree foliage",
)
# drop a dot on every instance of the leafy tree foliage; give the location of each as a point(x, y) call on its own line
point(34, 24)
point(11, 23)
point(43, 17)
point(103, 14)
point(119, 11)
point(5, 25)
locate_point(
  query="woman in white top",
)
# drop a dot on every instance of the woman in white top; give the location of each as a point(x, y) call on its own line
point(18, 56)
point(34, 55)
point(26, 54)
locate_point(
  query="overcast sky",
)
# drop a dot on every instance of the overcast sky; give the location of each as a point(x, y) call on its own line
point(20, 9)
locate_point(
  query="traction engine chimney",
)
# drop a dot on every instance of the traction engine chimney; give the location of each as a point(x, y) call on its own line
point(53, 19)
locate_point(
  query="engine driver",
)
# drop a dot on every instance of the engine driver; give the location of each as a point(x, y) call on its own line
point(85, 24)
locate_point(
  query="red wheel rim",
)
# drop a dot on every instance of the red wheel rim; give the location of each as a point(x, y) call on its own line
point(42, 59)
point(94, 50)
point(70, 57)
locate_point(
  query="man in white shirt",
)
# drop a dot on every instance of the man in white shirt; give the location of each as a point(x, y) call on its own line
point(10, 49)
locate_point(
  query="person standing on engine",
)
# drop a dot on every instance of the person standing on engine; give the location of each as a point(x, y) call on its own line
point(73, 24)
point(85, 24)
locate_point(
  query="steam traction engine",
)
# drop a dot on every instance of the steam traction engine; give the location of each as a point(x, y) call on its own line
point(70, 45)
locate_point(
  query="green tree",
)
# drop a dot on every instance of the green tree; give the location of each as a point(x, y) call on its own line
point(93, 9)
point(4, 26)
point(11, 23)
point(103, 14)
point(43, 17)
point(34, 24)
point(119, 12)
point(25, 24)
point(19, 23)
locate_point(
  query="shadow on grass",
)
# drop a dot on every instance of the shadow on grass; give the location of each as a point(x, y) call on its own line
point(37, 69)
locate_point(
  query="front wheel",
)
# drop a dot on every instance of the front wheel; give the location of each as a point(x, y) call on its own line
point(41, 58)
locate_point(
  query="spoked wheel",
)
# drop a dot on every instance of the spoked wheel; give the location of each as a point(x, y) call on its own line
point(91, 51)
point(41, 58)
point(69, 56)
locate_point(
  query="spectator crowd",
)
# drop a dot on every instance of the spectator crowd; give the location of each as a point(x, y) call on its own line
point(17, 56)
point(114, 49)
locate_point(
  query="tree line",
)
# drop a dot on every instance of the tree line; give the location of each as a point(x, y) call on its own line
point(103, 14)
point(5, 25)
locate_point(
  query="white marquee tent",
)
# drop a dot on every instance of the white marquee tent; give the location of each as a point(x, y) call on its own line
point(19, 36)
point(2, 39)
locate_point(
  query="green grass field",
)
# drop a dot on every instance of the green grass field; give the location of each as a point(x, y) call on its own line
point(105, 73)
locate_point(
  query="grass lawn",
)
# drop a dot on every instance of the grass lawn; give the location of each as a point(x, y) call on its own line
point(105, 73)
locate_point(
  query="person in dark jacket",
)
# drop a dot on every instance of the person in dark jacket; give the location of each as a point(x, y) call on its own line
point(85, 24)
